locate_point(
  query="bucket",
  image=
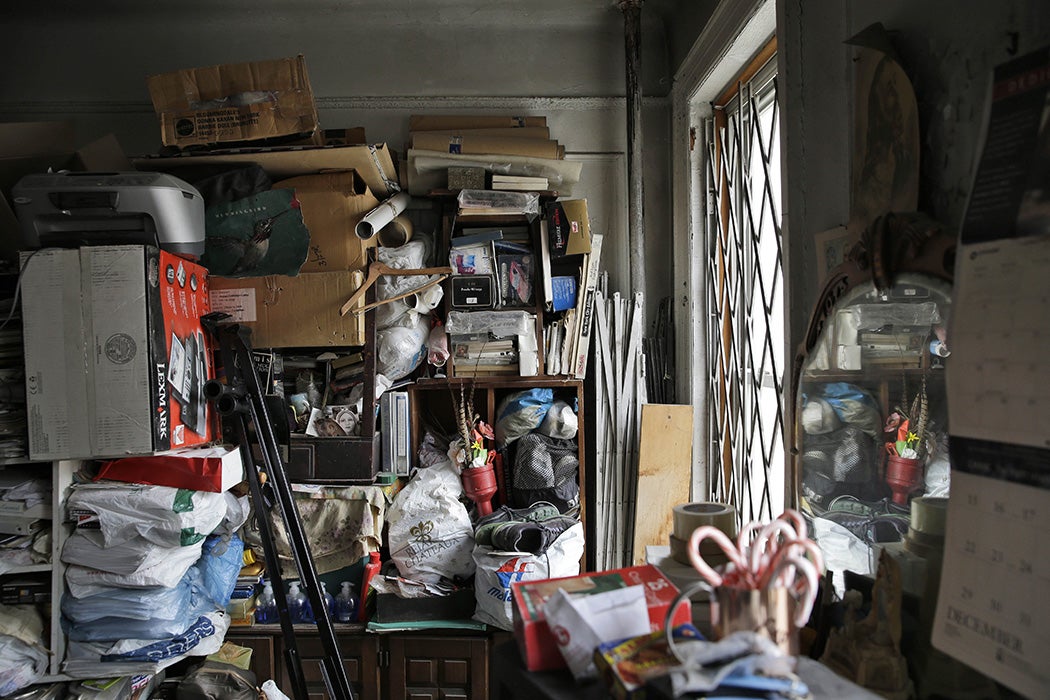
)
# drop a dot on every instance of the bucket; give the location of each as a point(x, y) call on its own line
point(904, 476)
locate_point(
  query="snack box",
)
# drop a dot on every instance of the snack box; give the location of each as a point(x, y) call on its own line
point(539, 650)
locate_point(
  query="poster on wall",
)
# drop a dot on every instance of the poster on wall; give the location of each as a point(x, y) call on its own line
point(885, 157)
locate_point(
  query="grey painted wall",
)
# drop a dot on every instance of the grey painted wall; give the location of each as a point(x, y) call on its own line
point(948, 48)
point(371, 64)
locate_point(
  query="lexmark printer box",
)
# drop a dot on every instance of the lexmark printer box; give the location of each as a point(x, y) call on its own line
point(116, 358)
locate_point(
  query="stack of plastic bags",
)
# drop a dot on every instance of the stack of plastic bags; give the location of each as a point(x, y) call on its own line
point(23, 655)
point(150, 572)
point(24, 496)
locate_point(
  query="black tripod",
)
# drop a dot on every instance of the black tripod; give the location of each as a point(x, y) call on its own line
point(239, 400)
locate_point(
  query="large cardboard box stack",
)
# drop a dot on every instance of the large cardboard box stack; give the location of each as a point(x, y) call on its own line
point(539, 649)
point(333, 202)
point(234, 102)
point(303, 311)
point(116, 358)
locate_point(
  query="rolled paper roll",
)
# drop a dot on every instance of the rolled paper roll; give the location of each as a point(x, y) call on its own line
point(374, 221)
point(397, 233)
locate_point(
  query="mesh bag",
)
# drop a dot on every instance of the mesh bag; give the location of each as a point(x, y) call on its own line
point(545, 469)
point(843, 461)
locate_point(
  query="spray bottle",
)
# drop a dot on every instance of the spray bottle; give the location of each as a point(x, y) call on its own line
point(371, 569)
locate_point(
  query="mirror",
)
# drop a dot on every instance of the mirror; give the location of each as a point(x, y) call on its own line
point(870, 416)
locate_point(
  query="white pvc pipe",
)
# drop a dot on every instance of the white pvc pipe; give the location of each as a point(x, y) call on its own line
point(382, 215)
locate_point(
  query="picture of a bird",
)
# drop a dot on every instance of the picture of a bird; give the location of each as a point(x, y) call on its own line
point(252, 250)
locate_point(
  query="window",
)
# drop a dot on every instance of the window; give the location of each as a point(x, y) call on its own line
point(744, 288)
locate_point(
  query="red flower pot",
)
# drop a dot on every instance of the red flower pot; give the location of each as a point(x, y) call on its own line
point(479, 484)
point(904, 476)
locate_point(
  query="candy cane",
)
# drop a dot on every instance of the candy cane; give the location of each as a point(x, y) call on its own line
point(765, 546)
point(809, 572)
point(788, 549)
point(797, 519)
point(710, 575)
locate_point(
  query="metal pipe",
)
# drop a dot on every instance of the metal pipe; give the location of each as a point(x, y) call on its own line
point(632, 22)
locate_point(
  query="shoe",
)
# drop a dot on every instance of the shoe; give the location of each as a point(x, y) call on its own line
point(541, 510)
point(530, 537)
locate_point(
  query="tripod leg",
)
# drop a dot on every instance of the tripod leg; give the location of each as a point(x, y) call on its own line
point(234, 341)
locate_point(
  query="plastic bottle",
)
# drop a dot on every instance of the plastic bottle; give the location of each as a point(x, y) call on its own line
point(329, 601)
point(296, 602)
point(371, 569)
point(345, 603)
point(266, 605)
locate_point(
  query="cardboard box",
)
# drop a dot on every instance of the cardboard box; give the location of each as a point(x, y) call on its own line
point(373, 163)
point(116, 359)
point(293, 312)
point(35, 147)
point(234, 102)
point(568, 228)
point(332, 203)
point(539, 650)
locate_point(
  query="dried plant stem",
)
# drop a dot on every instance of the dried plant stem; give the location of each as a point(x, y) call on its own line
point(923, 417)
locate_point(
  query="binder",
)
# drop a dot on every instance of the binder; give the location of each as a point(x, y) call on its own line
point(396, 438)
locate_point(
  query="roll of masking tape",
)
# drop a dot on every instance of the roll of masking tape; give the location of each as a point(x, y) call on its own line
point(689, 516)
point(929, 515)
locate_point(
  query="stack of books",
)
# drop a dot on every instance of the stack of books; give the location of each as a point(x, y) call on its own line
point(474, 356)
point(522, 183)
point(890, 347)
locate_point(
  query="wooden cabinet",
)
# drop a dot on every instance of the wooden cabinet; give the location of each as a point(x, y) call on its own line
point(379, 667)
point(432, 668)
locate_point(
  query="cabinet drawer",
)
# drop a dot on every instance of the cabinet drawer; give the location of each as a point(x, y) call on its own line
point(360, 659)
point(438, 667)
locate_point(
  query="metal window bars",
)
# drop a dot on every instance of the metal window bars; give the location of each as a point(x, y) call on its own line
point(745, 326)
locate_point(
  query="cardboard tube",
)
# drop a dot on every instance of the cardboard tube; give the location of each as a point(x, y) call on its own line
point(372, 222)
point(397, 233)
point(473, 145)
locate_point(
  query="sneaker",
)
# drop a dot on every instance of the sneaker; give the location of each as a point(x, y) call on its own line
point(486, 525)
point(530, 537)
point(540, 510)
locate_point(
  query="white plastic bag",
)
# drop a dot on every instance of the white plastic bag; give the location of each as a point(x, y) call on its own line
point(163, 515)
point(401, 348)
point(430, 533)
point(164, 571)
point(497, 571)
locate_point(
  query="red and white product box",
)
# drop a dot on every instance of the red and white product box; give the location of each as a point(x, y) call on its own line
point(130, 320)
point(539, 649)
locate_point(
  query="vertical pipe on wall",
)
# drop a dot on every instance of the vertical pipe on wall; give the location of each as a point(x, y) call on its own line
point(632, 24)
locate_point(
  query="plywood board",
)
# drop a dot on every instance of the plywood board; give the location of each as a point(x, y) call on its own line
point(665, 457)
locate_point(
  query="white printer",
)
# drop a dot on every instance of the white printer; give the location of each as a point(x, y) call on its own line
point(86, 208)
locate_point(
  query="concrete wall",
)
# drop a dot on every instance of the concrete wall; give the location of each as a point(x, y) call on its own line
point(948, 48)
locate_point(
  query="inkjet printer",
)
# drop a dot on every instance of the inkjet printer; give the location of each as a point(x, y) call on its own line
point(78, 208)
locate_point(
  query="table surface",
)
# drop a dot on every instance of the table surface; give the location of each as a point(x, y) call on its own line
point(510, 680)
